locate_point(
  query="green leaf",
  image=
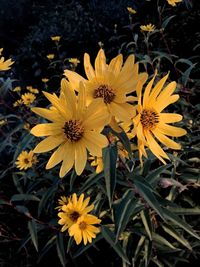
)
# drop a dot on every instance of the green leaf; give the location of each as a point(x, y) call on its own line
point(110, 238)
point(172, 232)
point(147, 252)
point(91, 180)
point(139, 247)
point(50, 243)
point(185, 211)
point(162, 241)
point(147, 193)
point(154, 175)
point(24, 197)
point(60, 249)
point(109, 162)
point(177, 221)
point(123, 211)
point(32, 226)
point(166, 21)
point(146, 220)
point(72, 180)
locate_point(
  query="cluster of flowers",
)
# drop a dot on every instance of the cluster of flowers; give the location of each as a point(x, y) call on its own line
point(111, 96)
point(27, 98)
point(74, 217)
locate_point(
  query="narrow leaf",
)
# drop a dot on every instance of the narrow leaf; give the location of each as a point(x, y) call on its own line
point(32, 226)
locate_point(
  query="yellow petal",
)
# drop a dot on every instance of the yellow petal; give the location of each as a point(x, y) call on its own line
point(119, 111)
point(80, 157)
point(100, 63)
point(171, 130)
point(160, 105)
point(170, 117)
point(56, 157)
point(48, 114)
point(167, 91)
point(95, 142)
point(116, 65)
point(68, 159)
point(49, 143)
point(46, 129)
point(81, 101)
point(147, 91)
point(166, 141)
point(88, 67)
point(155, 147)
point(74, 79)
point(158, 87)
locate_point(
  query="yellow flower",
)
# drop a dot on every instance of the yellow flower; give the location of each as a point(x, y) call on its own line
point(75, 208)
point(18, 102)
point(28, 98)
point(131, 10)
point(17, 89)
point(26, 160)
point(32, 90)
point(45, 80)
point(1, 50)
point(50, 56)
point(3, 122)
point(5, 65)
point(75, 129)
point(150, 120)
point(148, 28)
point(173, 2)
point(55, 38)
point(84, 229)
point(27, 126)
point(97, 162)
point(111, 83)
point(74, 61)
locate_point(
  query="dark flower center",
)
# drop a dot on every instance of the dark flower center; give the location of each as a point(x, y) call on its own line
point(74, 216)
point(105, 92)
point(82, 225)
point(73, 130)
point(26, 161)
point(149, 119)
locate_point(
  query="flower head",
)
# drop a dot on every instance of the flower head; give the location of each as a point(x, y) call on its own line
point(74, 61)
point(5, 64)
point(18, 102)
point(97, 162)
point(173, 2)
point(26, 160)
point(32, 90)
point(148, 28)
point(45, 80)
point(111, 83)
point(73, 209)
point(75, 129)
point(131, 10)
point(84, 229)
point(152, 122)
point(50, 56)
point(55, 38)
point(28, 98)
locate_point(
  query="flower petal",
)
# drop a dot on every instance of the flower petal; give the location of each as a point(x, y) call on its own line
point(46, 129)
point(80, 157)
point(49, 143)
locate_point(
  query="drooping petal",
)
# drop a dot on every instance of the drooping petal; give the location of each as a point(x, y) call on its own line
point(56, 157)
point(166, 140)
point(68, 159)
point(95, 142)
point(80, 157)
point(119, 111)
point(171, 130)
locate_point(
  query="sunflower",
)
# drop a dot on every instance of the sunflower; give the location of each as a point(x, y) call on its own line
point(152, 122)
point(111, 83)
point(75, 129)
point(5, 65)
point(25, 160)
point(84, 229)
point(147, 28)
point(75, 208)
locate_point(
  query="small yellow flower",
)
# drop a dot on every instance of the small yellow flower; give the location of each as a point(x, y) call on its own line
point(50, 56)
point(3, 122)
point(26, 160)
point(45, 80)
point(32, 90)
point(84, 229)
point(173, 2)
point(74, 61)
point(17, 103)
point(55, 38)
point(28, 98)
point(131, 10)
point(27, 126)
point(75, 208)
point(5, 65)
point(148, 28)
point(1, 50)
point(17, 89)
